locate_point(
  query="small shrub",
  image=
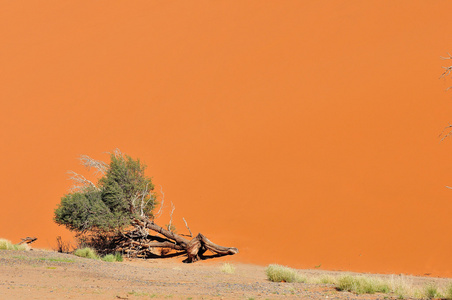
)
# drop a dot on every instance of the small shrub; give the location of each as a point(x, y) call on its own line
point(109, 258)
point(118, 257)
point(227, 268)
point(7, 245)
point(431, 291)
point(86, 253)
point(278, 273)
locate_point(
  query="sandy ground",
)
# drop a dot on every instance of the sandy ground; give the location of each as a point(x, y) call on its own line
point(41, 274)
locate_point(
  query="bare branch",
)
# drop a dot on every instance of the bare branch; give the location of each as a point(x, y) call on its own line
point(89, 163)
point(447, 129)
point(186, 225)
point(159, 213)
point(80, 182)
point(449, 57)
point(171, 216)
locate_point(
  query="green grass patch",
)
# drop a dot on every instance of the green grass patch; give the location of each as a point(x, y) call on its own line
point(57, 259)
point(109, 258)
point(86, 253)
point(278, 273)
point(112, 257)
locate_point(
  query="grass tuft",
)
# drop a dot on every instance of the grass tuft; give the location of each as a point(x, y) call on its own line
point(86, 253)
point(278, 273)
point(7, 245)
point(227, 268)
point(448, 291)
point(118, 257)
point(431, 291)
point(109, 258)
point(362, 284)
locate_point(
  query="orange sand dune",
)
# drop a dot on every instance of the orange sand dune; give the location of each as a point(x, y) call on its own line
point(304, 133)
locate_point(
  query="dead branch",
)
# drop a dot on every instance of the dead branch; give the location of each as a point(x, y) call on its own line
point(186, 225)
point(28, 240)
point(159, 213)
point(89, 163)
point(171, 216)
point(80, 182)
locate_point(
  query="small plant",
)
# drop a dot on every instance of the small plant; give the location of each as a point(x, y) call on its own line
point(86, 253)
point(109, 258)
point(362, 285)
point(7, 245)
point(278, 273)
point(448, 291)
point(118, 257)
point(431, 291)
point(62, 246)
point(227, 268)
point(324, 279)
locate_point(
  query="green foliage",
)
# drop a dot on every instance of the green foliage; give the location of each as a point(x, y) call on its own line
point(123, 193)
point(109, 258)
point(86, 253)
point(112, 257)
point(118, 257)
point(278, 273)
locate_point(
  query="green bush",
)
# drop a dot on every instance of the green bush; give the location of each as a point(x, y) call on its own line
point(278, 273)
point(109, 258)
point(118, 257)
point(86, 253)
point(7, 245)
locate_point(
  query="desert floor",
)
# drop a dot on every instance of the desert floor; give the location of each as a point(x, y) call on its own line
point(42, 274)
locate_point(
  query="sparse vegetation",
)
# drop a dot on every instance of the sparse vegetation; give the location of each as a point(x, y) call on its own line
point(431, 291)
point(362, 284)
point(118, 257)
point(278, 273)
point(109, 258)
point(7, 245)
point(397, 286)
point(227, 268)
point(86, 253)
point(112, 257)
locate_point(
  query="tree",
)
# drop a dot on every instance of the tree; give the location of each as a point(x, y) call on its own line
point(116, 214)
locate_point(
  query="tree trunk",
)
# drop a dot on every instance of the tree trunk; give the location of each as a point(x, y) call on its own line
point(139, 243)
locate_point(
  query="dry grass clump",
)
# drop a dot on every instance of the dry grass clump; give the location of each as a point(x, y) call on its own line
point(227, 268)
point(362, 284)
point(7, 245)
point(278, 273)
point(86, 253)
point(400, 287)
point(323, 279)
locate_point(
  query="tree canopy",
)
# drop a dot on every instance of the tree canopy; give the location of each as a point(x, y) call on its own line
point(122, 194)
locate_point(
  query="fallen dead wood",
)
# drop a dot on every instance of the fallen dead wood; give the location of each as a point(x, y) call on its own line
point(28, 240)
point(139, 243)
